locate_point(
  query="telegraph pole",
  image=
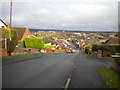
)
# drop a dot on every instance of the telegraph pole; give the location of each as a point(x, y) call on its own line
point(10, 14)
point(10, 25)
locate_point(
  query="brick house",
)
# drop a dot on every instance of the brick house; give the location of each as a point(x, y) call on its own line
point(113, 41)
point(22, 33)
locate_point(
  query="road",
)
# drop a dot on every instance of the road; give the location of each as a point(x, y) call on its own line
point(48, 71)
point(85, 74)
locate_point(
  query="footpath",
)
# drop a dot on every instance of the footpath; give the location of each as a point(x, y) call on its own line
point(85, 74)
point(7, 61)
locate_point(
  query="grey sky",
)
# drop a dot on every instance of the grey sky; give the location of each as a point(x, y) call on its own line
point(64, 14)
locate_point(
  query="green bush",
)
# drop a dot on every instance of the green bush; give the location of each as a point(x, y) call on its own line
point(117, 48)
point(87, 50)
point(104, 47)
point(33, 42)
point(22, 42)
point(11, 44)
point(50, 46)
point(94, 47)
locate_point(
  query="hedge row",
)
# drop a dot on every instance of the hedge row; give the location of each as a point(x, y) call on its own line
point(13, 34)
point(117, 48)
point(33, 42)
point(50, 46)
point(104, 47)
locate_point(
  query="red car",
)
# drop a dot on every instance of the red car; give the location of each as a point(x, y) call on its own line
point(68, 51)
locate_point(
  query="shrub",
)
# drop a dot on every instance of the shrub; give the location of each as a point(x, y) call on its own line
point(87, 50)
point(21, 42)
point(33, 42)
point(117, 48)
point(50, 46)
point(11, 44)
point(104, 47)
point(94, 47)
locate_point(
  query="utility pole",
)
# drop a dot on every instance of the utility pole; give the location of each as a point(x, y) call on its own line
point(10, 16)
point(10, 25)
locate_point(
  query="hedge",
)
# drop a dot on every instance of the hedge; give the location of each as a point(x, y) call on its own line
point(11, 45)
point(105, 47)
point(117, 48)
point(33, 42)
point(22, 42)
point(94, 47)
point(50, 46)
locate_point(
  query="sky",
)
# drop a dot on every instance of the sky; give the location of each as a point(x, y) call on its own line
point(89, 15)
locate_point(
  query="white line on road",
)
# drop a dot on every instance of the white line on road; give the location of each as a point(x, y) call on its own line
point(67, 84)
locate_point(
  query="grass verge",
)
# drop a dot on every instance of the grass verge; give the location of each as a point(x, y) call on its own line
point(90, 56)
point(15, 56)
point(110, 76)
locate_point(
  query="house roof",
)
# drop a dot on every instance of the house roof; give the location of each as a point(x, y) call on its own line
point(113, 40)
point(21, 32)
point(3, 22)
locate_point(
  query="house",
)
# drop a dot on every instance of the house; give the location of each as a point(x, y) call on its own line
point(2, 24)
point(3, 50)
point(113, 41)
point(22, 33)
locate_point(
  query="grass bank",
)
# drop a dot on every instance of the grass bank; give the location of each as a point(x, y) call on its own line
point(110, 76)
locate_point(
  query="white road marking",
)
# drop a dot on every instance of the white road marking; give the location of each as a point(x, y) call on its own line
point(67, 84)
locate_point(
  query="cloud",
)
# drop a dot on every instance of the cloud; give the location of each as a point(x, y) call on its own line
point(59, 14)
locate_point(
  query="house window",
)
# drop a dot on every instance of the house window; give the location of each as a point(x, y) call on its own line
point(3, 26)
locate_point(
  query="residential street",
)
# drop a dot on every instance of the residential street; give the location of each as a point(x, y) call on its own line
point(85, 74)
point(52, 71)
point(48, 71)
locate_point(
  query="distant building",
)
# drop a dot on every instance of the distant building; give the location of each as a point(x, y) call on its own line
point(113, 41)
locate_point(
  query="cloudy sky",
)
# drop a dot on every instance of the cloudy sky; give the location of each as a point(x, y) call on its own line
point(91, 15)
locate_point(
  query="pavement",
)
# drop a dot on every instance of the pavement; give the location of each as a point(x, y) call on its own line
point(85, 74)
point(6, 61)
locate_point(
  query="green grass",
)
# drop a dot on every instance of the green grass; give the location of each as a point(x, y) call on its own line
point(90, 56)
point(110, 76)
point(15, 56)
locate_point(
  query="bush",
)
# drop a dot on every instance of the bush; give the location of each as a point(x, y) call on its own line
point(11, 44)
point(104, 47)
point(22, 42)
point(33, 42)
point(94, 47)
point(109, 48)
point(50, 46)
point(87, 50)
point(117, 48)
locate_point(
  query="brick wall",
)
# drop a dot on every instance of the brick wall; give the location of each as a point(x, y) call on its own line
point(3, 52)
point(50, 50)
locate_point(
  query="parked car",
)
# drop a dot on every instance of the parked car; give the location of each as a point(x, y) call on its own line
point(68, 51)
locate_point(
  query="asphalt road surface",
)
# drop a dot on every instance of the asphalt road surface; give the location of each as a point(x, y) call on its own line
point(48, 71)
point(85, 74)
